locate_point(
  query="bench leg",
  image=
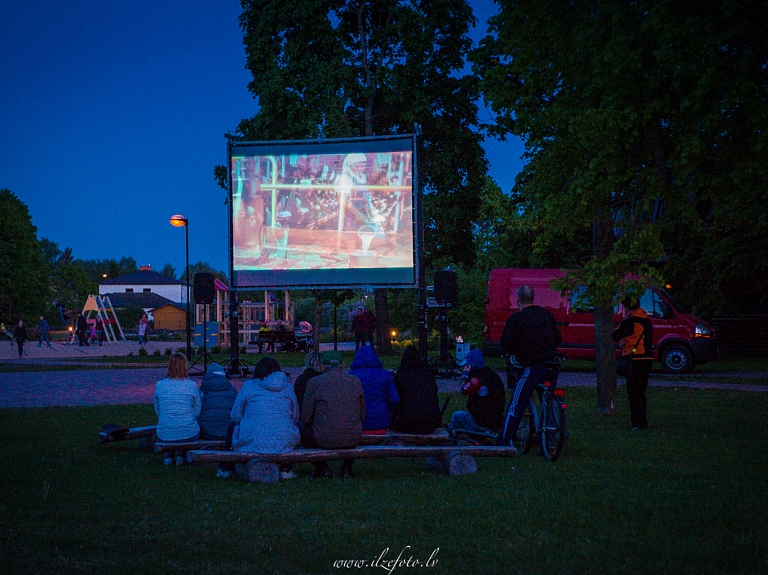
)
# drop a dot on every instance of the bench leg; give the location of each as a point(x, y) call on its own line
point(259, 471)
point(453, 463)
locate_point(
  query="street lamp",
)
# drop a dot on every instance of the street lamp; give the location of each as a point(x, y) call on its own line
point(179, 221)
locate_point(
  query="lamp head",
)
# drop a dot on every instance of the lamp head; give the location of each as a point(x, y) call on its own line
point(178, 221)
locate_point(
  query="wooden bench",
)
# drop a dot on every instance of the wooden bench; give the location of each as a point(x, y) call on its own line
point(108, 434)
point(198, 444)
point(437, 437)
point(263, 467)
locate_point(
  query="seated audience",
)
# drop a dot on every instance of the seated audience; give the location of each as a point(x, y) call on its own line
point(333, 412)
point(313, 363)
point(218, 399)
point(419, 409)
point(177, 405)
point(485, 404)
point(378, 386)
point(265, 414)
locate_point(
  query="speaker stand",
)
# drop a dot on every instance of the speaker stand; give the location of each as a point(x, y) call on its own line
point(205, 357)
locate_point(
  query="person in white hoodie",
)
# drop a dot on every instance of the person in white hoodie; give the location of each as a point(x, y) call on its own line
point(266, 413)
point(177, 405)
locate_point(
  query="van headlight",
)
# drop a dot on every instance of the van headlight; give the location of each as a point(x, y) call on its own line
point(702, 330)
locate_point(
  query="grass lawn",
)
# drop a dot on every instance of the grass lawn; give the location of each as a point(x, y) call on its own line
point(687, 496)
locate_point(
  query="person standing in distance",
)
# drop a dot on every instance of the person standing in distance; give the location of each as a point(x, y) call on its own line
point(531, 336)
point(635, 334)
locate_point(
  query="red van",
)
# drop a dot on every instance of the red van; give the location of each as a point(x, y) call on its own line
point(681, 340)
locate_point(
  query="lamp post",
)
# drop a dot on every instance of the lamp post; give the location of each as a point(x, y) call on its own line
point(179, 221)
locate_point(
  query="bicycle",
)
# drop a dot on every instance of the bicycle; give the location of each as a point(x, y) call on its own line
point(547, 420)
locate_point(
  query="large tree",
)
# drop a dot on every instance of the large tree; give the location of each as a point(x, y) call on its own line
point(346, 68)
point(644, 125)
point(24, 283)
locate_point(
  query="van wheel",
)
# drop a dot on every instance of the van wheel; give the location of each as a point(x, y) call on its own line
point(677, 358)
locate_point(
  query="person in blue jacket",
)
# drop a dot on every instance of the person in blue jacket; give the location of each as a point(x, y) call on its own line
point(379, 389)
point(218, 399)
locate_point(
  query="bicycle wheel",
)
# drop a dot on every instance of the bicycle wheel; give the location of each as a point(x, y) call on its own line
point(552, 429)
point(522, 439)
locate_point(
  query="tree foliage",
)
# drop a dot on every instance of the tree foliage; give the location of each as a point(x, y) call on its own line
point(325, 69)
point(23, 269)
point(644, 125)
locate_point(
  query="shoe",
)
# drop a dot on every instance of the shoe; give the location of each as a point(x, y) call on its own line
point(346, 470)
point(322, 471)
point(221, 474)
point(180, 460)
point(168, 459)
point(347, 473)
point(640, 427)
point(288, 475)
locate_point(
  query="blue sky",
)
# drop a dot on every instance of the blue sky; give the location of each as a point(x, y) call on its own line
point(113, 114)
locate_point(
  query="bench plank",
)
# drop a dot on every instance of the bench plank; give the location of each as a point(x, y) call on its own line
point(368, 452)
point(438, 437)
point(201, 444)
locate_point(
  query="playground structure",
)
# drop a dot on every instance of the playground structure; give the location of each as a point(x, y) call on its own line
point(103, 308)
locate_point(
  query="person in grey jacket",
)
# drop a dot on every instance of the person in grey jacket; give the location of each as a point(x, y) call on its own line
point(218, 399)
point(265, 413)
point(177, 405)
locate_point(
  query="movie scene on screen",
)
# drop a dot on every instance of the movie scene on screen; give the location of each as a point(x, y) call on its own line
point(322, 212)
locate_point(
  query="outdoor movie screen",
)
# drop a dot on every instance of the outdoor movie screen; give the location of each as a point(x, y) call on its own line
point(329, 213)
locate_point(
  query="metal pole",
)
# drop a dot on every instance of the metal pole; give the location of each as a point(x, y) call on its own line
point(189, 343)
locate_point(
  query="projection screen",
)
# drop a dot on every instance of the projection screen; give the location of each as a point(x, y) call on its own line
point(324, 213)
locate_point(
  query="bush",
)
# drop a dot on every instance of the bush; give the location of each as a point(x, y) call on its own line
point(142, 352)
point(156, 352)
point(215, 349)
point(168, 351)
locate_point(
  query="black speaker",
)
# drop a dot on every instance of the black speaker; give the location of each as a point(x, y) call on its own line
point(205, 291)
point(446, 290)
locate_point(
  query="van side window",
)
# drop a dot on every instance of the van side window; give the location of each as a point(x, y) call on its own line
point(583, 304)
point(579, 302)
point(652, 303)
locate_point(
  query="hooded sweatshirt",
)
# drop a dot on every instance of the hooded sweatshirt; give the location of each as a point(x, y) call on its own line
point(378, 388)
point(218, 398)
point(419, 409)
point(265, 415)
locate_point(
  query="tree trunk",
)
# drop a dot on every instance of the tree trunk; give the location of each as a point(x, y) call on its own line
point(383, 341)
point(605, 363)
point(605, 359)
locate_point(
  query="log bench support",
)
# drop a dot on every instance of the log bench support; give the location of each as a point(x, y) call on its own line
point(264, 467)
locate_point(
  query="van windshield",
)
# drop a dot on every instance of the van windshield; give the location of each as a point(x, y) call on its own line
point(676, 304)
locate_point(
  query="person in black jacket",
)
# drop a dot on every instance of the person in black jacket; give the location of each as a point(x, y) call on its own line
point(20, 335)
point(485, 404)
point(636, 336)
point(531, 336)
point(419, 409)
point(313, 362)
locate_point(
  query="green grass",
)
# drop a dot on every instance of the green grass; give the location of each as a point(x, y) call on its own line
point(688, 496)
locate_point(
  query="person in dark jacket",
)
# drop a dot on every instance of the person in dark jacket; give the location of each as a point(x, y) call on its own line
point(313, 363)
point(530, 335)
point(635, 334)
point(419, 409)
point(82, 330)
point(378, 387)
point(333, 412)
point(20, 335)
point(485, 404)
point(218, 398)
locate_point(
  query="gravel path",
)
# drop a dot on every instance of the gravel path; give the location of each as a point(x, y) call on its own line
point(136, 385)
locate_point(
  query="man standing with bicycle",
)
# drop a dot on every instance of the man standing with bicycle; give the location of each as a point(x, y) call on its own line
point(531, 336)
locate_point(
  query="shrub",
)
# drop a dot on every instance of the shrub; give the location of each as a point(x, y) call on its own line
point(142, 352)
point(168, 351)
point(156, 352)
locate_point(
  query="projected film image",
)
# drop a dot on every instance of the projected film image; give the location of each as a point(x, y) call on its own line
point(323, 218)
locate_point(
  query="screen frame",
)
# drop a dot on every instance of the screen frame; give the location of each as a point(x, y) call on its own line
point(362, 278)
